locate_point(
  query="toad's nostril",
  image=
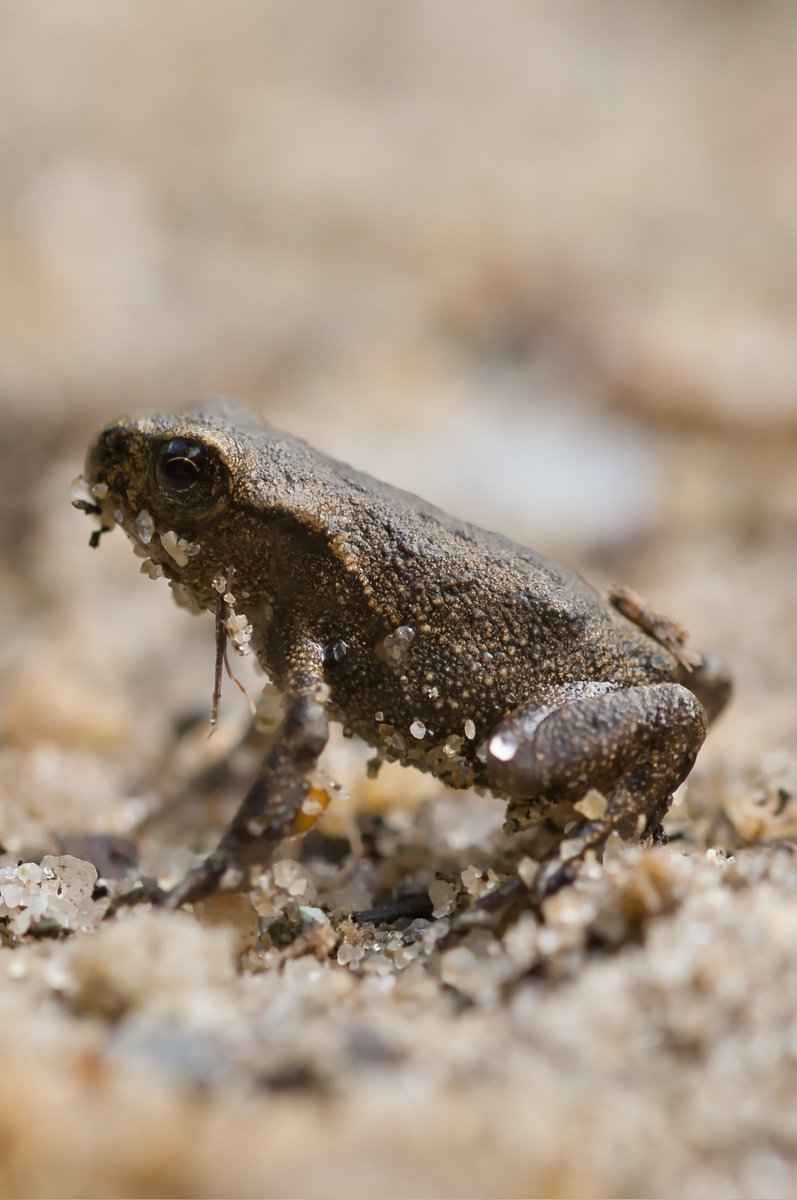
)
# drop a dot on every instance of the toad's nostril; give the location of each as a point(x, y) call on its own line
point(109, 445)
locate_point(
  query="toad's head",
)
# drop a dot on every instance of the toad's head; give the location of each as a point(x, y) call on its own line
point(187, 491)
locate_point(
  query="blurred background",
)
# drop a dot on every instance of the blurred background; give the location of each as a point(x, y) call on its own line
point(533, 261)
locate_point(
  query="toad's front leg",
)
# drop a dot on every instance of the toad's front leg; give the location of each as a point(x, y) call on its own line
point(634, 745)
point(269, 810)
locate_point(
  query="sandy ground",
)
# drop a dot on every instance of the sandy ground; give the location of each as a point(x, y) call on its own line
point(536, 263)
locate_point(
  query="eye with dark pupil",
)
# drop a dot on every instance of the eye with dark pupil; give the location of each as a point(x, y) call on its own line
point(178, 465)
point(180, 470)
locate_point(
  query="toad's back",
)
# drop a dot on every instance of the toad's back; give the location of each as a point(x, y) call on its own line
point(428, 621)
point(445, 622)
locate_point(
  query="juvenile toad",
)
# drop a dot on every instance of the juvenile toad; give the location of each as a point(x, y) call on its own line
point(443, 646)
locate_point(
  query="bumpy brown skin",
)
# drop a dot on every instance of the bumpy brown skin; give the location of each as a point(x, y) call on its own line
point(518, 675)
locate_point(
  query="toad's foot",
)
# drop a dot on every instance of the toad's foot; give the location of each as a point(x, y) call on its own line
point(556, 870)
point(219, 871)
point(145, 891)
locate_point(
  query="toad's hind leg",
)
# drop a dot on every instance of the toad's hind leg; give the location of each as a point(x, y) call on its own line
point(634, 745)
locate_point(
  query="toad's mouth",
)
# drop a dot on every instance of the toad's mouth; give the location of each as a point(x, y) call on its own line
point(163, 552)
point(90, 499)
point(196, 584)
point(164, 555)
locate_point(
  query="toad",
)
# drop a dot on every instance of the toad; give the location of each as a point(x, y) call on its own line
point(445, 647)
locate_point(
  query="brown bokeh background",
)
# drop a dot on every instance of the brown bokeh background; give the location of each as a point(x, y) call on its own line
point(533, 261)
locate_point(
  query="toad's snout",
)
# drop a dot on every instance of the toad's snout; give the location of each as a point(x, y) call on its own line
point(110, 448)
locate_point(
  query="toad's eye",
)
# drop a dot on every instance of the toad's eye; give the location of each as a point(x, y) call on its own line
point(189, 474)
point(179, 465)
